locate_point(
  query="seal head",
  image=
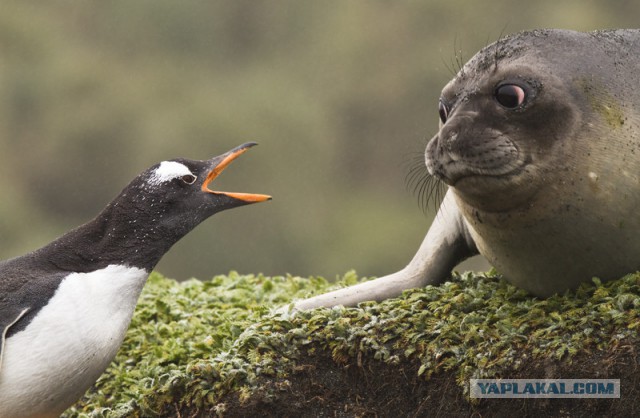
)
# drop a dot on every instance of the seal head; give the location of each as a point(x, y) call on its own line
point(504, 125)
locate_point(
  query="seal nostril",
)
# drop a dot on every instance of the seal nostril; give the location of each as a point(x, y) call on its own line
point(443, 110)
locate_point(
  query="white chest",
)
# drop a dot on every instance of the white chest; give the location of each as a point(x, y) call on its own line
point(67, 346)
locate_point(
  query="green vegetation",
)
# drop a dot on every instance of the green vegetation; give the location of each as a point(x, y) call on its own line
point(193, 344)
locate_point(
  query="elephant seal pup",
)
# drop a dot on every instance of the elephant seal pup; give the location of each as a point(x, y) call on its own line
point(539, 144)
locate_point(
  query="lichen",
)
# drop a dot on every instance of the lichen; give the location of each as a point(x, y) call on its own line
point(602, 102)
point(191, 344)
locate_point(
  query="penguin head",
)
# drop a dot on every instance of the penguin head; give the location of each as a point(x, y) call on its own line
point(175, 196)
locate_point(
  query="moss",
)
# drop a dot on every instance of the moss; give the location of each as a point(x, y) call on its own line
point(192, 344)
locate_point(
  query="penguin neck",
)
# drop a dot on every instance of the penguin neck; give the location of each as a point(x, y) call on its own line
point(118, 235)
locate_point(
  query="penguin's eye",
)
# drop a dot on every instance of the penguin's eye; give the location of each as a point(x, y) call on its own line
point(189, 178)
point(443, 111)
point(510, 95)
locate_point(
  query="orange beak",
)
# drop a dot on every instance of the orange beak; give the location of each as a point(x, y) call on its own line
point(219, 168)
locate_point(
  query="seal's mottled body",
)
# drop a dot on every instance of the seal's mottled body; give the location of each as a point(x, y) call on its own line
point(540, 147)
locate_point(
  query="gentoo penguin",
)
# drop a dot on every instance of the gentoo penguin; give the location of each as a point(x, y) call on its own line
point(65, 308)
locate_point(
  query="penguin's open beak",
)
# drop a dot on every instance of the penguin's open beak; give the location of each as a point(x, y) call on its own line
point(225, 160)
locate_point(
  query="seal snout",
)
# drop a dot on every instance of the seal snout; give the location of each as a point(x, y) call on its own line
point(455, 154)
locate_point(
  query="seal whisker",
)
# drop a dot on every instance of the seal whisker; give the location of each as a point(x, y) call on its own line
point(457, 54)
point(456, 61)
point(449, 68)
point(427, 188)
point(414, 175)
point(496, 45)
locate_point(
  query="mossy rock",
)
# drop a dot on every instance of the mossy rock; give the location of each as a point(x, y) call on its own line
point(218, 347)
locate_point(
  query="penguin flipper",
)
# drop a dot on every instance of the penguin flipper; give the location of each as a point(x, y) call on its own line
point(447, 243)
point(5, 329)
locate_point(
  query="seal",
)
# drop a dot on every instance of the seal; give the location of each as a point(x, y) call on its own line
point(539, 145)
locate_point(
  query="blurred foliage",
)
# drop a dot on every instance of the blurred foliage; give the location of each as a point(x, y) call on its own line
point(342, 97)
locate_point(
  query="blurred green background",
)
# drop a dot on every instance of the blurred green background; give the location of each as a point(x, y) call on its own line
point(341, 95)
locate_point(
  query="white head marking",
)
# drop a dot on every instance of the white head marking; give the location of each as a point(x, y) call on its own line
point(167, 171)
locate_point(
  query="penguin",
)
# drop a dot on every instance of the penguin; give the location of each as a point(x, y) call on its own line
point(65, 308)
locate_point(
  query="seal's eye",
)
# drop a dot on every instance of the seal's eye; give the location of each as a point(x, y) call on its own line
point(510, 95)
point(443, 110)
point(189, 178)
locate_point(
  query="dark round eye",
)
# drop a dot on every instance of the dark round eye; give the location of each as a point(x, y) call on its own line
point(189, 178)
point(443, 111)
point(510, 95)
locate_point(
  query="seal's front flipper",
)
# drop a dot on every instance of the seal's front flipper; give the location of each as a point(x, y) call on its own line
point(447, 243)
point(5, 329)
